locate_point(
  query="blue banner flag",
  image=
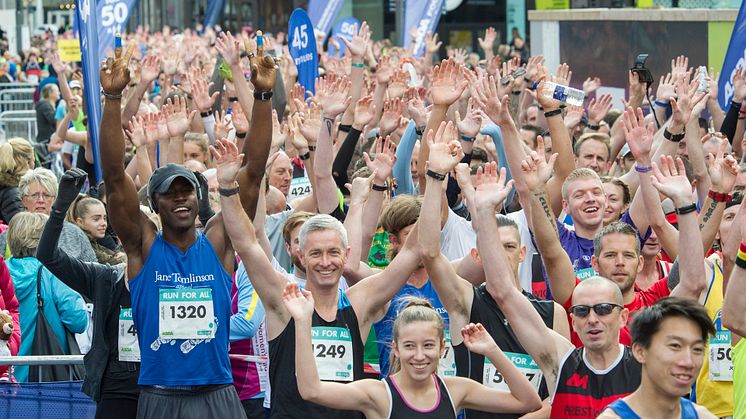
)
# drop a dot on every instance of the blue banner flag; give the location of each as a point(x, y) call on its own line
point(303, 49)
point(322, 13)
point(213, 12)
point(89, 52)
point(423, 15)
point(112, 16)
point(734, 58)
point(345, 28)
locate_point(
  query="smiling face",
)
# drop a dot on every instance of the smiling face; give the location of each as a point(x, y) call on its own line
point(615, 205)
point(178, 206)
point(323, 257)
point(94, 220)
point(586, 202)
point(418, 348)
point(676, 353)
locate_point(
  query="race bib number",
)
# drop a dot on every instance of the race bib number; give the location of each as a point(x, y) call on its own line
point(493, 379)
point(721, 362)
point(129, 348)
point(447, 364)
point(299, 187)
point(586, 273)
point(332, 350)
point(186, 313)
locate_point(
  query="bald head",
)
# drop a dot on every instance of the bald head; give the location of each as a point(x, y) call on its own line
point(597, 287)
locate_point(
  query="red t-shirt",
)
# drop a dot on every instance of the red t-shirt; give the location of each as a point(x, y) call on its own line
point(642, 299)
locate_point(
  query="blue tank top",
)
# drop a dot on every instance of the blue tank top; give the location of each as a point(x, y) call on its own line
point(621, 408)
point(384, 328)
point(177, 286)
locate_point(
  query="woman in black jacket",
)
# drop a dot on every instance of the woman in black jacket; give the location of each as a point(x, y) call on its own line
point(112, 365)
point(16, 158)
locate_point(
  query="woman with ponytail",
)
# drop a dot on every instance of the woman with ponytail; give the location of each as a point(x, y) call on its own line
point(16, 158)
point(413, 390)
point(89, 214)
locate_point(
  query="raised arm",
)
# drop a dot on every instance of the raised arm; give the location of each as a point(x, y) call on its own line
point(333, 99)
point(723, 172)
point(734, 304)
point(178, 119)
point(355, 267)
point(544, 345)
point(267, 283)
point(456, 293)
point(357, 47)
point(149, 71)
point(121, 194)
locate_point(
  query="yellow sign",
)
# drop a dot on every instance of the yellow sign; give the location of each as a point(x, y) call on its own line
point(69, 50)
point(552, 4)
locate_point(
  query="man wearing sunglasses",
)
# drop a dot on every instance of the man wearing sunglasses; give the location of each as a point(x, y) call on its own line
point(581, 381)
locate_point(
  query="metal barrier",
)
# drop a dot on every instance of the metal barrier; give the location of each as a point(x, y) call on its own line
point(17, 99)
point(4, 86)
point(19, 124)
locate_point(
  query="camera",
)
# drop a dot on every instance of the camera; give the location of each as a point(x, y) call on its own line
point(643, 73)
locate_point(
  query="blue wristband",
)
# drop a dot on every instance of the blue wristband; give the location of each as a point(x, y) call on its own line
point(662, 104)
point(467, 138)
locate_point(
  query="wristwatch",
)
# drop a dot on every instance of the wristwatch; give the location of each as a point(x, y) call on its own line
point(263, 95)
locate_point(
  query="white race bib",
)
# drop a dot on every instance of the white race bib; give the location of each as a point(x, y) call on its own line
point(186, 313)
point(299, 187)
point(493, 379)
point(332, 349)
point(721, 361)
point(447, 364)
point(128, 347)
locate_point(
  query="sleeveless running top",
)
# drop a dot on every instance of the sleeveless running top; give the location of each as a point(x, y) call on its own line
point(584, 392)
point(384, 327)
point(621, 408)
point(182, 294)
point(399, 408)
point(484, 310)
point(333, 342)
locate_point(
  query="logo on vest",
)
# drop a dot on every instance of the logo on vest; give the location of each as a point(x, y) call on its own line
point(576, 381)
point(178, 278)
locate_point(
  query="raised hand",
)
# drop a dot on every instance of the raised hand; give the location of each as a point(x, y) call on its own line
point(495, 106)
point(228, 47)
point(150, 69)
point(392, 111)
point(598, 108)
point(669, 178)
point(666, 88)
point(546, 102)
point(431, 43)
point(573, 116)
point(296, 137)
point(445, 149)
point(712, 83)
point(679, 67)
point(489, 39)
point(536, 169)
point(384, 70)
point(280, 132)
point(263, 70)
point(459, 56)
point(398, 84)
point(238, 117)
point(590, 85)
point(364, 112)
point(157, 120)
point(723, 171)
point(70, 184)
point(136, 132)
point(491, 189)
point(417, 111)
point(299, 303)
point(73, 107)
point(312, 124)
point(227, 162)
point(221, 128)
point(115, 73)
point(739, 85)
point(688, 98)
point(563, 76)
point(493, 66)
point(383, 161)
point(472, 122)
point(57, 64)
point(532, 67)
point(360, 189)
point(477, 339)
point(171, 64)
point(638, 136)
point(359, 43)
point(177, 116)
point(447, 85)
point(201, 97)
point(333, 96)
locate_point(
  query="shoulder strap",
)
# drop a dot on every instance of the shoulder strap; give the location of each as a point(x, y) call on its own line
point(39, 300)
point(621, 408)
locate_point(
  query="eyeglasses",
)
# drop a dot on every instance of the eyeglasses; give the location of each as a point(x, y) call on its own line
point(602, 309)
point(40, 195)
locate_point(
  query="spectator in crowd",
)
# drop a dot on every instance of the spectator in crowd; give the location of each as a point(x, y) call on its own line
point(89, 214)
point(16, 158)
point(45, 122)
point(9, 302)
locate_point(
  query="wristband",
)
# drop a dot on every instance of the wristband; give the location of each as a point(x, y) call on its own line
point(673, 137)
point(741, 263)
point(467, 138)
point(528, 80)
point(551, 113)
point(516, 93)
point(380, 188)
point(419, 131)
point(593, 127)
point(206, 114)
point(305, 156)
point(345, 128)
point(241, 134)
point(435, 175)
point(719, 196)
point(228, 192)
point(662, 104)
point(642, 169)
point(741, 253)
point(359, 65)
point(263, 95)
point(312, 148)
point(735, 104)
point(686, 209)
point(111, 96)
point(232, 99)
point(742, 248)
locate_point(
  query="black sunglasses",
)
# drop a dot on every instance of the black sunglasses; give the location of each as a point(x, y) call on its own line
point(602, 309)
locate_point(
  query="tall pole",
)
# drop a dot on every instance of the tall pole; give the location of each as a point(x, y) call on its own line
point(400, 20)
point(19, 26)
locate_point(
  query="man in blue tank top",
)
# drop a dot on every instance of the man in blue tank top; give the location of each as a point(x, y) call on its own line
point(180, 278)
point(669, 340)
